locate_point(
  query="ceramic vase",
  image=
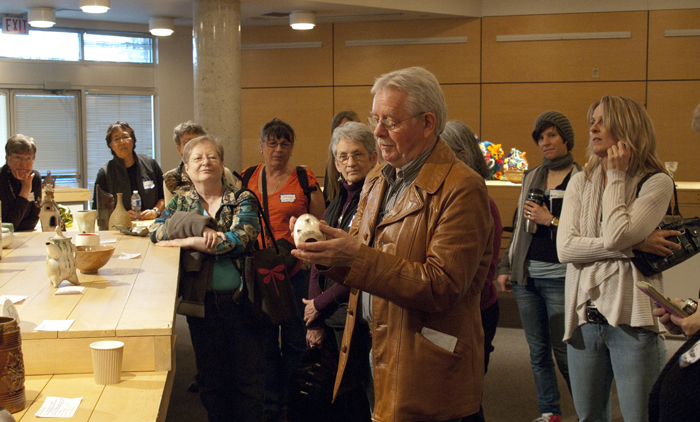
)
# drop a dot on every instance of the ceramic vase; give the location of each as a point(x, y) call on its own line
point(60, 259)
point(120, 216)
point(85, 220)
point(105, 206)
point(12, 364)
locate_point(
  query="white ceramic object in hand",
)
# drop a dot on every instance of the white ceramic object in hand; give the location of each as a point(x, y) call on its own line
point(87, 239)
point(306, 229)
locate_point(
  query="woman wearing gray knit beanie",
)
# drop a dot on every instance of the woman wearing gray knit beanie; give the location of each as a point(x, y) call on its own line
point(531, 265)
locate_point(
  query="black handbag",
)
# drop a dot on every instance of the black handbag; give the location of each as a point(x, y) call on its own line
point(266, 279)
point(650, 264)
point(311, 387)
point(689, 239)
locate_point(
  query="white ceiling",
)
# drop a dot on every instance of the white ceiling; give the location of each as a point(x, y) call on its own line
point(254, 12)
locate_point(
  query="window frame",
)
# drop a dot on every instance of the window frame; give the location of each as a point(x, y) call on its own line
point(81, 35)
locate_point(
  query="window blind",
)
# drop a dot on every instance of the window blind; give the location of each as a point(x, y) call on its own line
point(52, 121)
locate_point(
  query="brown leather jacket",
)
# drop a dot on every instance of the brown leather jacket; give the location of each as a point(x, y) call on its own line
point(426, 268)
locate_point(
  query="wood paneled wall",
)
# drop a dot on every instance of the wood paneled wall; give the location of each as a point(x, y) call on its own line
point(497, 88)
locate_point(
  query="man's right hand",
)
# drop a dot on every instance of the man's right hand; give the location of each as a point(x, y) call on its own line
point(504, 282)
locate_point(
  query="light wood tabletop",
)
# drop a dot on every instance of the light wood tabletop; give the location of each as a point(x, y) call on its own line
point(130, 300)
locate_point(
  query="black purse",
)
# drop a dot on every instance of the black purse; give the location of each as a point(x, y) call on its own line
point(689, 239)
point(266, 279)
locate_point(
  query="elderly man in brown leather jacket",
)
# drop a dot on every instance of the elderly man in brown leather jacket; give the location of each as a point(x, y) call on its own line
point(416, 257)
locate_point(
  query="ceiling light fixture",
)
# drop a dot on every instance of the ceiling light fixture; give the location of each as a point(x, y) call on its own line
point(302, 20)
point(94, 6)
point(41, 17)
point(161, 27)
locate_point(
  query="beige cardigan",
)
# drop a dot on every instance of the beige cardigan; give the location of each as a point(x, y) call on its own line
point(598, 249)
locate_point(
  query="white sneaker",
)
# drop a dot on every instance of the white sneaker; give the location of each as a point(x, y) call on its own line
point(548, 417)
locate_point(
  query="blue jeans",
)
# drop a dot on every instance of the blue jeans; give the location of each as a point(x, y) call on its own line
point(541, 306)
point(284, 347)
point(228, 351)
point(598, 353)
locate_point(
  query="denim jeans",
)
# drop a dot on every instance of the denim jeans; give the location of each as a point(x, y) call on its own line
point(228, 351)
point(598, 353)
point(541, 306)
point(284, 347)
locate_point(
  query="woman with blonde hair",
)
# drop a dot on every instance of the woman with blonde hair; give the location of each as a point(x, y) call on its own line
point(610, 209)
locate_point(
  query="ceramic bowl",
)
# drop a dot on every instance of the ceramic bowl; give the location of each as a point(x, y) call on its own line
point(89, 259)
point(7, 237)
point(514, 176)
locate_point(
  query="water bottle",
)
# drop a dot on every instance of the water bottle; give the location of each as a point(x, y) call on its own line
point(536, 196)
point(136, 203)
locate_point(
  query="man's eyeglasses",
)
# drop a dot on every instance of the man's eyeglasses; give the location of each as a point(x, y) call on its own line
point(388, 124)
point(124, 138)
point(356, 156)
point(22, 160)
point(275, 144)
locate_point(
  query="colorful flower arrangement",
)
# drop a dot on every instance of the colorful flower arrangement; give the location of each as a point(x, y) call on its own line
point(493, 154)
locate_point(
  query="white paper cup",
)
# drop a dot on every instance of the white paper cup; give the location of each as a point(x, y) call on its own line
point(87, 239)
point(107, 361)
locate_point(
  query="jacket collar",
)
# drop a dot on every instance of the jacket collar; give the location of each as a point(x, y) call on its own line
point(431, 176)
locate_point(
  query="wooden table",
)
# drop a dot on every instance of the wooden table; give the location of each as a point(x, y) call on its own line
point(137, 309)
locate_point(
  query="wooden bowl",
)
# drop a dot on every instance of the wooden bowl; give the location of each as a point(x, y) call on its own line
point(514, 176)
point(89, 259)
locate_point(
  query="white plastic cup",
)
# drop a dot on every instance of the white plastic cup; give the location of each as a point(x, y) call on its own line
point(107, 361)
point(87, 239)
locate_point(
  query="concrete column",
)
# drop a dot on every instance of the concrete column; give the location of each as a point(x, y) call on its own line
point(217, 73)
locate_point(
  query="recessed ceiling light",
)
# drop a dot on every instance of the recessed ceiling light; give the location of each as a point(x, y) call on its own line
point(41, 17)
point(161, 27)
point(94, 6)
point(302, 20)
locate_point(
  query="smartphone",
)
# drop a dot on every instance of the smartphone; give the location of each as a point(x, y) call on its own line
point(662, 301)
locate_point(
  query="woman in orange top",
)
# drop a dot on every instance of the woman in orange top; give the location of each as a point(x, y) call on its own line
point(277, 185)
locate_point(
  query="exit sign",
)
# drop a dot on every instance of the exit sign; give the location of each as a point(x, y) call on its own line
point(14, 25)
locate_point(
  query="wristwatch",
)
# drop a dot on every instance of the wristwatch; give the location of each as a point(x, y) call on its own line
point(554, 222)
point(157, 212)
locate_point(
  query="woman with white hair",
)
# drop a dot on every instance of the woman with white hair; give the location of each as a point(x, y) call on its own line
point(355, 155)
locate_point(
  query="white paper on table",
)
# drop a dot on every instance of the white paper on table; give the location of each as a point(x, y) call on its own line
point(13, 298)
point(55, 325)
point(118, 271)
point(70, 290)
point(112, 240)
point(129, 255)
point(58, 407)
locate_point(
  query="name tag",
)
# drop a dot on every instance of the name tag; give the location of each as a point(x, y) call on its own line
point(555, 193)
point(148, 184)
point(30, 198)
point(690, 357)
point(289, 197)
